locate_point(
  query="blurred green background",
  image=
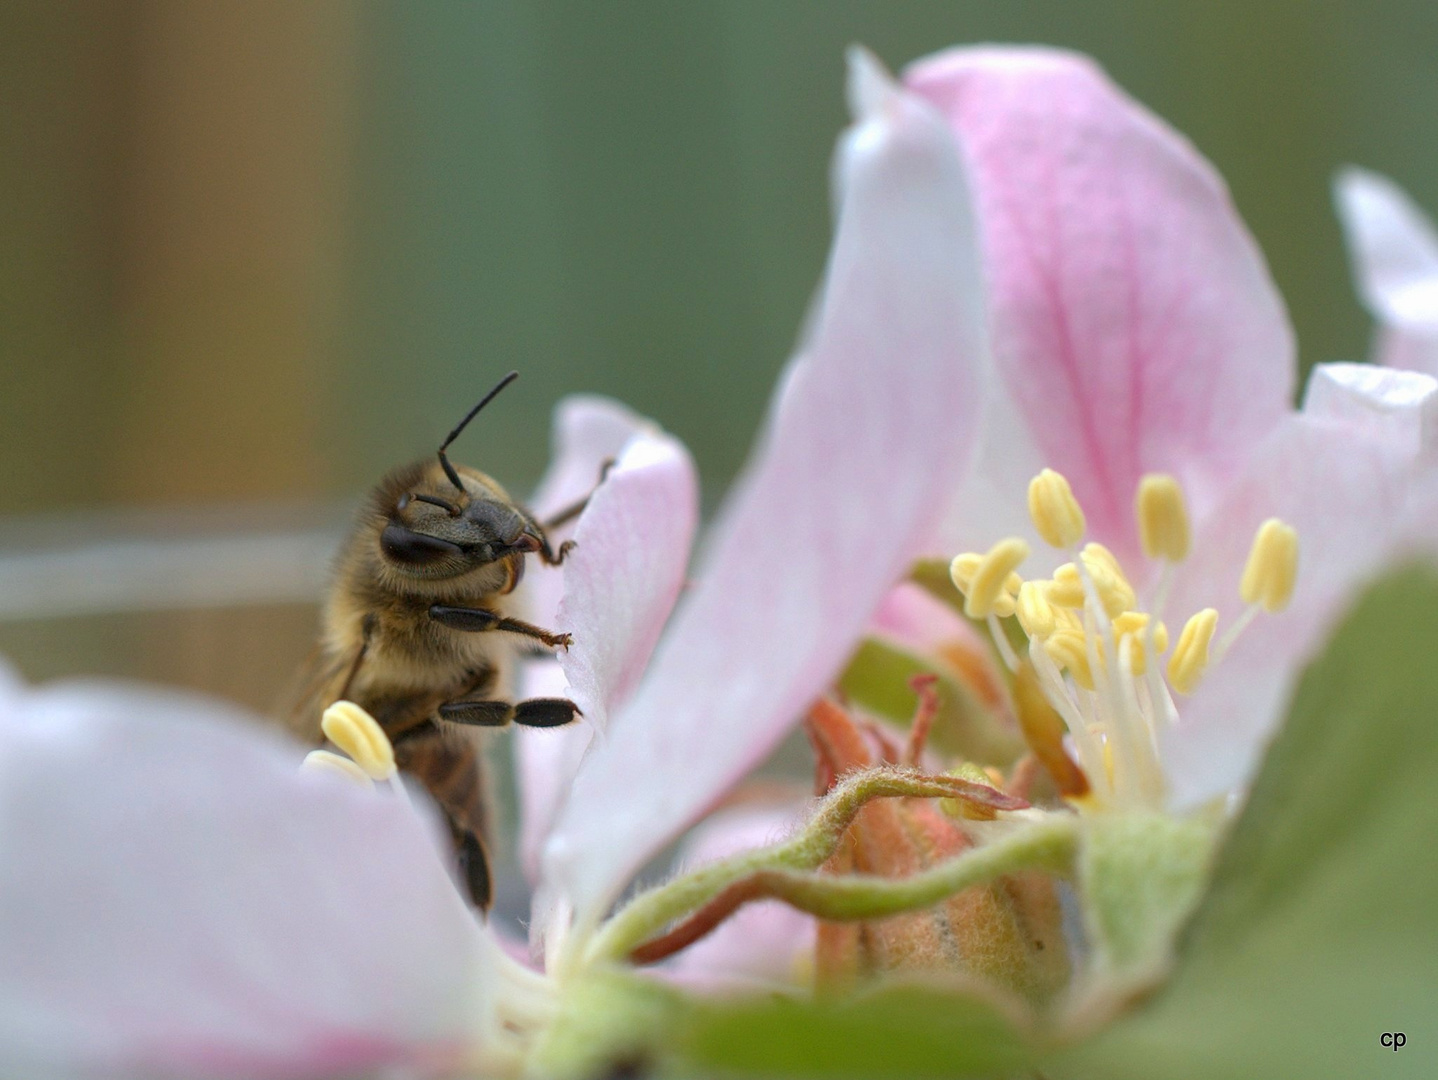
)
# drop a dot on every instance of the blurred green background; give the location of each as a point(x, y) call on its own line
point(255, 253)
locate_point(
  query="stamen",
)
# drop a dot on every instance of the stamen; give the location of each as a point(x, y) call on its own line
point(1131, 629)
point(1190, 655)
point(1055, 512)
point(1069, 650)
point(329, 762)
point(1272, 568)
point(961, 573)
point(990, 580)
point(359, 735)
point(1162, 518)
point(1036, 614)
point(1115, 594)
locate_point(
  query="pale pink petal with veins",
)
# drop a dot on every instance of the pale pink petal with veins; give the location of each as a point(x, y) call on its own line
point(1135, 325)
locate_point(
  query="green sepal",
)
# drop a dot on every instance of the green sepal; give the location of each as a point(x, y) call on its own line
point(610, 1022)
point(1140, 876)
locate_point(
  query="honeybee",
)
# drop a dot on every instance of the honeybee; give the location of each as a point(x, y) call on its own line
point(417, 630)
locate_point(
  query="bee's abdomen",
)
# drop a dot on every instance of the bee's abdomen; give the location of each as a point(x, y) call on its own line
point(450, 770)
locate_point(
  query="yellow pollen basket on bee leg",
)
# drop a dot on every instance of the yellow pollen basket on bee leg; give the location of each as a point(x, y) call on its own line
point(359, 735)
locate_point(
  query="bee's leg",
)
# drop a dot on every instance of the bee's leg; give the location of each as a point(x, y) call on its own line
point(476, 620)
point(574, 509)
point(536, 712)
point(477, 713)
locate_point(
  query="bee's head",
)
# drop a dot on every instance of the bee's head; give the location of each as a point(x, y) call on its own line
point(433, 530)
point(440, 521)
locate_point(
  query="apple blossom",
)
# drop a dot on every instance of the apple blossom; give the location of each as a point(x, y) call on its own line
point(1136, 335)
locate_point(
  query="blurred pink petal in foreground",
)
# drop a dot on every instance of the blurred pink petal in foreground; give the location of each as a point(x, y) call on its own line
point(180, 900)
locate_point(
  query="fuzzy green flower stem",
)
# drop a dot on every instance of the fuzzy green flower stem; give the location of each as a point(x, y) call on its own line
point(651, 911)
point(1047, 845)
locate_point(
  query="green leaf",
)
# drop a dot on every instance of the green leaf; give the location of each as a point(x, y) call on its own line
point(1320, 930)
point(877, 679)
point(902, 1031)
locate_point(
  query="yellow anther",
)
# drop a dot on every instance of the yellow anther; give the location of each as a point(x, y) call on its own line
point(1136, 622)
point(1130, 630)
point(1069, 649)
point(1190, 656)
point(987, 585)
point(1162, 517)
point(1055, 512)
point(1272, 567)
point(359, 735)
point(1114, 592)
point(1066, 588)
point(962, 569)
point(1036, 614)
point(330, 762)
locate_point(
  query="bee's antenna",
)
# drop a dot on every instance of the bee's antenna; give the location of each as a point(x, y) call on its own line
point(444, 461)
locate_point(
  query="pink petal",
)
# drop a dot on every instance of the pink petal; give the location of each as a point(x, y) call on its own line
point(1344, 489)
point(923, 623)
point(179, 900)
point(633, 545)
point(588, 431)
point(1135, 324)
point(546, 760)
point(1394, 251)
point(765, 943)
point(871, 430)
point(625, 572)
point(620, 583)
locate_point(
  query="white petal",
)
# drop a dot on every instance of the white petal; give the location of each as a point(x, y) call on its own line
point(1394, 252)
point(1345, 493)
point(872, 430)
point(1379, 402)
point(180, 900)
point(621, 580)
point(588, 431)
point(546, 760)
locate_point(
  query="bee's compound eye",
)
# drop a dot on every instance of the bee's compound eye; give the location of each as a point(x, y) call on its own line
point(407, 546)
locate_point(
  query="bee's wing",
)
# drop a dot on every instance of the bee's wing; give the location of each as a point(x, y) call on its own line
point(315, 688)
